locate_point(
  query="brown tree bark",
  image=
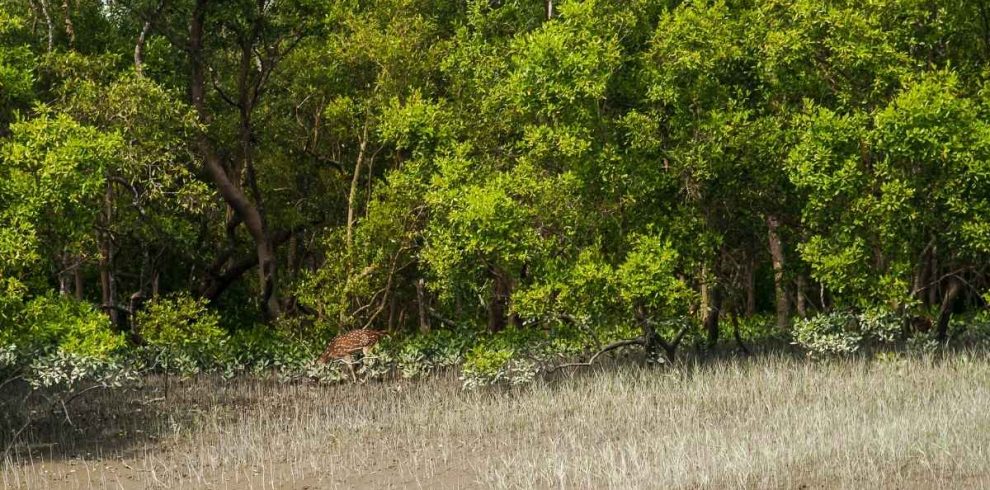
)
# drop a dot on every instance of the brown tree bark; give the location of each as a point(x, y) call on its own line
point(221, 280)
point(933, 286)
point(70, 30)
point(77, 275)
point(424, 317)
point(711, 300)
point(64, 275)
point(751, 288)
point(498, 304)
point(711, 321)
point(801, 296)
point(251, 214)
point(777, 257)
point(108, 283)
point(952, 291)
point(355, 181)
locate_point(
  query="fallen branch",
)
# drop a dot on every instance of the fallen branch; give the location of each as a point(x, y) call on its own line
point(607, 348)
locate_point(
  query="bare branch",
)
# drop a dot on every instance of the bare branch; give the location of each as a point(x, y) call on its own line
point(607, 348)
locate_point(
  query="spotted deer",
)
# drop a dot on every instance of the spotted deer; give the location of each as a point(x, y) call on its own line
point(344, 346)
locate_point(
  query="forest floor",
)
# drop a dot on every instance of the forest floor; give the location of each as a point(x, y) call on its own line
point(768, 422)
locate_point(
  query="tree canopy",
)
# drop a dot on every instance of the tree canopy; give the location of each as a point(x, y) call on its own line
point(423, 165)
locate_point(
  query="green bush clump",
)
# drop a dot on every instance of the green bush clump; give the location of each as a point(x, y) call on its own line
point(59, 343)
point(181, 333)
point(828, 334)
point(845, 332)
point(260, 348)
point(419, 355)
point(51, 323)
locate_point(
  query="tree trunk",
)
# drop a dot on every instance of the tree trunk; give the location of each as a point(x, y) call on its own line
point(352, 196)
point(48, 23)
point(712, 316)
point(393, 306)
point(108, 283)
point(139, 49)
point(250, 213)
point(70, 30)
point(64, 275)
point(952, 291)
point(751, 288)
point(711, 300)
point(802, 304)
point(498, 304)
point(142, 37)
point(780, 289)
point(424, 318)
point(933, 286)
point(77, 275)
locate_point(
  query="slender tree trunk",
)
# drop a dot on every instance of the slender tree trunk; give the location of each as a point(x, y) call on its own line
point(498, 304)
point(777, 256)
point(921, 279)
point(711, 300)
point(64, 274)
point(139, 49)
point(108, 283)
point(77, 275)
point(934, 286)
point(142, 37)
point(48, 23)
point(267, 260)
point(703, 294)
point(736, 334)
point(802, 304)
point(393, 306)
point(952, 291)
point(352, 196)
point(711, 323)
point(70, 30)
point(424, 318)
point(751, 288)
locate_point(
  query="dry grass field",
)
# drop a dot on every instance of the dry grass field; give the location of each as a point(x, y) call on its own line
point(769, 422)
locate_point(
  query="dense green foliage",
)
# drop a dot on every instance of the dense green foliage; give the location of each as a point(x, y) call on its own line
point(503, 185)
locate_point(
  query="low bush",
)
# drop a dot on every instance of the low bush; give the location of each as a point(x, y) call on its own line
point(180, 334)
point(49, 323)
point(845, 332)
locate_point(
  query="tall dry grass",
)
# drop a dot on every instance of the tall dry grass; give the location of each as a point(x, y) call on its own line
point(773, 422)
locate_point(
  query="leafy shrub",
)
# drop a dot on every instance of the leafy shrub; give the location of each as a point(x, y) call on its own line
point(828, 333)
point(880, 325)
point(844, 332)
point(261, 348)
point(50, 323)
point(182, 333)
point(64, 369)
point(420, 355)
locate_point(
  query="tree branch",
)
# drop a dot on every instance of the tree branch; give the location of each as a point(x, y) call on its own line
point(607, 348)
